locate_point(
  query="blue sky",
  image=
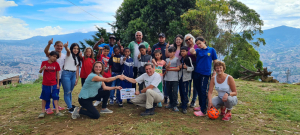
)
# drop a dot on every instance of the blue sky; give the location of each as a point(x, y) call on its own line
point(21, 19)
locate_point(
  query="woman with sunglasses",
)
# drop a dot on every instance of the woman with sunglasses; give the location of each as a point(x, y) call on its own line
point(189, 41)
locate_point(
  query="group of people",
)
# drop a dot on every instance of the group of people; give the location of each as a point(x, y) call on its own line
point(160, 72)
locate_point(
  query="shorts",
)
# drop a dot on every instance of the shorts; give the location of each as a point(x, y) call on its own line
point(49, 92)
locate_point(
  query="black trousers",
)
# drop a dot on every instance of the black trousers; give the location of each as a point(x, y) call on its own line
point(88, 108)
point(82, 81)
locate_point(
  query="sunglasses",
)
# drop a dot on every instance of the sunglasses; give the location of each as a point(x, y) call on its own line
point(187, 39)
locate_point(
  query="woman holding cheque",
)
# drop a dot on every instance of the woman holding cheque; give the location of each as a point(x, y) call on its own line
point(94, 88)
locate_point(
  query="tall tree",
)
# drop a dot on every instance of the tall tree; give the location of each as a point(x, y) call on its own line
point(202, 21)
point(151, 17)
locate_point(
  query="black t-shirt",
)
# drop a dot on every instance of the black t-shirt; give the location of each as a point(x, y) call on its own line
point(114, 62)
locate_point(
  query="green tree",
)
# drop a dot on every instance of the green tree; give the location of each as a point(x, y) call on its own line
point(202, 21)
point(151, 17)
point(243, 54)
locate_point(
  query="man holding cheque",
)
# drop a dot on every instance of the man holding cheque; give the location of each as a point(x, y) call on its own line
point(152, 94)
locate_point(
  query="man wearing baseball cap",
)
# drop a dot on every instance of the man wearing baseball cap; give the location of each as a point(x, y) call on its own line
point(111, 44)
point(161, 45)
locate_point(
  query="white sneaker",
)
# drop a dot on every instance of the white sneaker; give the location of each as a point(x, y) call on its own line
point(97, 103)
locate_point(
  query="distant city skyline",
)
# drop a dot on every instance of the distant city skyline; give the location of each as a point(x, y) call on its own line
point(22, 19)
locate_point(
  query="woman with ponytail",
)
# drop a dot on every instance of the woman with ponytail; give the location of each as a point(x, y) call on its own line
point(70, 74)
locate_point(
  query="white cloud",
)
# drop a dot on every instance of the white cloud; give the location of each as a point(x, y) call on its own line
point(276, 12)
point(4, 4)
point(16, 29)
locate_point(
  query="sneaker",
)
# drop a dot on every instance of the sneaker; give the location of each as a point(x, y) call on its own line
point(49, 111)
point(175, 109)
point(168, 106)
point(111, 102)
point(75, 113)
point(192, 104)
point(166, 100)
point(184, 111)
point(59, 114)
point(197, 108)
point(106, 111)
point(97, 103)
point(42, 115)
point(120, 104)
point(147, 112)
point(223, 111)
point(199, 113)
point(227, 117)
point(159, 105)
point(59, 108)
point(71, 110)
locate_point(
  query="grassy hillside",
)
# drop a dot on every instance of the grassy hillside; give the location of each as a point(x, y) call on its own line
point(263, 108)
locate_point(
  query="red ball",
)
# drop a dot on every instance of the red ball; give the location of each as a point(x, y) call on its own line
point(213, 113)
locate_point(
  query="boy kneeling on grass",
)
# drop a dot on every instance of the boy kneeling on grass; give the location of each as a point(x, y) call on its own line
point(50, 85)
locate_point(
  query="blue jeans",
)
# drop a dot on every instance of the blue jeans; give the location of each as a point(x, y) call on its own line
point(183, 90)
point(115, 83)
point(172, 87)
point(201, 83)
point(49, 101)
point(68, 79)
point(165, 89)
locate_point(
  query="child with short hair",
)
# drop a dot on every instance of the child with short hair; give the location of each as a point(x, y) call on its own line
point(103, 57)
point(127, 70)
point(185, 75)
point(159, 64)
point(143, 58)
point(116, 69)
point(171, 78)
point(50, 85)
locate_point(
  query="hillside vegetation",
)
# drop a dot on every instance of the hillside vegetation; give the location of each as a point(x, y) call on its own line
point(263, 108)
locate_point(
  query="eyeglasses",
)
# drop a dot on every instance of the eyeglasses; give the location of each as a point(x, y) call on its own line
point(187, 39)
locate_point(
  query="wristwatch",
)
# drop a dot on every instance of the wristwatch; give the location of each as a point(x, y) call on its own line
point(228, 93)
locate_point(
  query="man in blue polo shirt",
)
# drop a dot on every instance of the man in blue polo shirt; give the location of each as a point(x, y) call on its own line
point(111, 44)
point(204, 57)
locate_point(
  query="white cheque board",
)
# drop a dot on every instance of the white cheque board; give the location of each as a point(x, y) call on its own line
point(127, 93)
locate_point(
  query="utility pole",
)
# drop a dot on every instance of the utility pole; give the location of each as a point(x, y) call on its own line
point(288, 73)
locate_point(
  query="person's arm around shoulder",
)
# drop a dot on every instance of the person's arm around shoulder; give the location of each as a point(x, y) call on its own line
point(104, 87)
point(210, 91)
point(46, 51)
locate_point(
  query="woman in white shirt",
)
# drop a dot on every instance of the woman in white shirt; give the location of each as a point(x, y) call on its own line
point(225, 86)
point(70, 74)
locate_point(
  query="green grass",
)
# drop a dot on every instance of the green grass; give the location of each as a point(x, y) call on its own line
point(263, 108)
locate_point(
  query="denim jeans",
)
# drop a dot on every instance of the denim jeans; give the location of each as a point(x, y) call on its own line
point(115, 83)
point(165, 89)
point(183, 90)
point(201, 83)
point(49, 101)
point(172, 87)
point(68, 79)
